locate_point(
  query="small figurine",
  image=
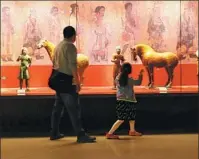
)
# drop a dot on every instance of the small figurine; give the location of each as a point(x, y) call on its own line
point(25, 64)
point(118, 60)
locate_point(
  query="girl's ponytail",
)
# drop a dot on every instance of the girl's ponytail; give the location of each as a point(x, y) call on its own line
point(126, 70)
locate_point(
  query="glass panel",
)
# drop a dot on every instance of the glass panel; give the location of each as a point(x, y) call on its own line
point(103, 27)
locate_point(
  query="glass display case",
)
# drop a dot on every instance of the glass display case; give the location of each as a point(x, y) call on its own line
point(164, 26)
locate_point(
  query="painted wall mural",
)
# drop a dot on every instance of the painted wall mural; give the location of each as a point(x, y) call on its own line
point(164, 25)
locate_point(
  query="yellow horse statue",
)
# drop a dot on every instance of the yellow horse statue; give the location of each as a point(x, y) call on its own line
point(150, 59)
point(82, 60)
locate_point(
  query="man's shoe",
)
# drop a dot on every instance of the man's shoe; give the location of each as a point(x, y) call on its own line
point(56, 137)
point(86, 139)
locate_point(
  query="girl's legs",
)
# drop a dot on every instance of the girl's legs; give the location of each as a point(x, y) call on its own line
point(132, 125)
point(115, 126)
point(132, 131)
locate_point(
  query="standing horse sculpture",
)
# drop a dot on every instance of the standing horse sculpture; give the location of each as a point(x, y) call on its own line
point(82, 60)
point(151, 59)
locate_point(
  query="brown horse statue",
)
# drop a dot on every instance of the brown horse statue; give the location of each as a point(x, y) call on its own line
point(151, 59)
point(82, 60)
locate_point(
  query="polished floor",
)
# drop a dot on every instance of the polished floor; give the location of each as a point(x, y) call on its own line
point(145, 147)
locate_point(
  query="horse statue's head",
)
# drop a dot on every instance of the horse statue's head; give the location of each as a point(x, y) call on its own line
point(139, 50)
point(49, 46)
point(134, 53)
point(42, 43)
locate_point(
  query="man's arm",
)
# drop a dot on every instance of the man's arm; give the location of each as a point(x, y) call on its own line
point(72, 58)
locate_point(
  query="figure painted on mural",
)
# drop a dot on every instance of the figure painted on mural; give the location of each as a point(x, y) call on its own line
point(75, 21)
point(118, 60)
point(186, 34)
point(156, 29)
point(25, 60)
point(100, 37)
point(32, 34)
point(54, 23)
point(129, 25)
point(7, 31)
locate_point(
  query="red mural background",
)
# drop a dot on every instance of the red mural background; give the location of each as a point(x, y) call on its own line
point(116, 23)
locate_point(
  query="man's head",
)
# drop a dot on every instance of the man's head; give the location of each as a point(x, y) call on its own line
point(69, 33)
point(118, 49)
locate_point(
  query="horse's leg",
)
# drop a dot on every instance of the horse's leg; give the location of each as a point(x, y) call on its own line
point(81, 73)
point(150, 75)
point(170, 77)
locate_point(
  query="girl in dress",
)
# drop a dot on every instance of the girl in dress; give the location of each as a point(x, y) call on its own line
point(125, 105)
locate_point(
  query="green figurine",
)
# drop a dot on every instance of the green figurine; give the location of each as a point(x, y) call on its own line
point(25, 64)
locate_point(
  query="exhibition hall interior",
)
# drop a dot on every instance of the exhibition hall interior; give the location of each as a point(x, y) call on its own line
point(158, 37)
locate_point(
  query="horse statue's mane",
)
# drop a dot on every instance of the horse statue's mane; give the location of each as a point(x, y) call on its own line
point(49, 46)
point(142, 48)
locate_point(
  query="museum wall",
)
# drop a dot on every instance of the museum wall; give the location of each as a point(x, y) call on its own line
point(100, 28)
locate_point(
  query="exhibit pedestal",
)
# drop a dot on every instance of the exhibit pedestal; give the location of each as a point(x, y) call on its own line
point(21, 92)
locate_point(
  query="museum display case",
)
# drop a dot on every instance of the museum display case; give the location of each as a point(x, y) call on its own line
point(162, 26)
